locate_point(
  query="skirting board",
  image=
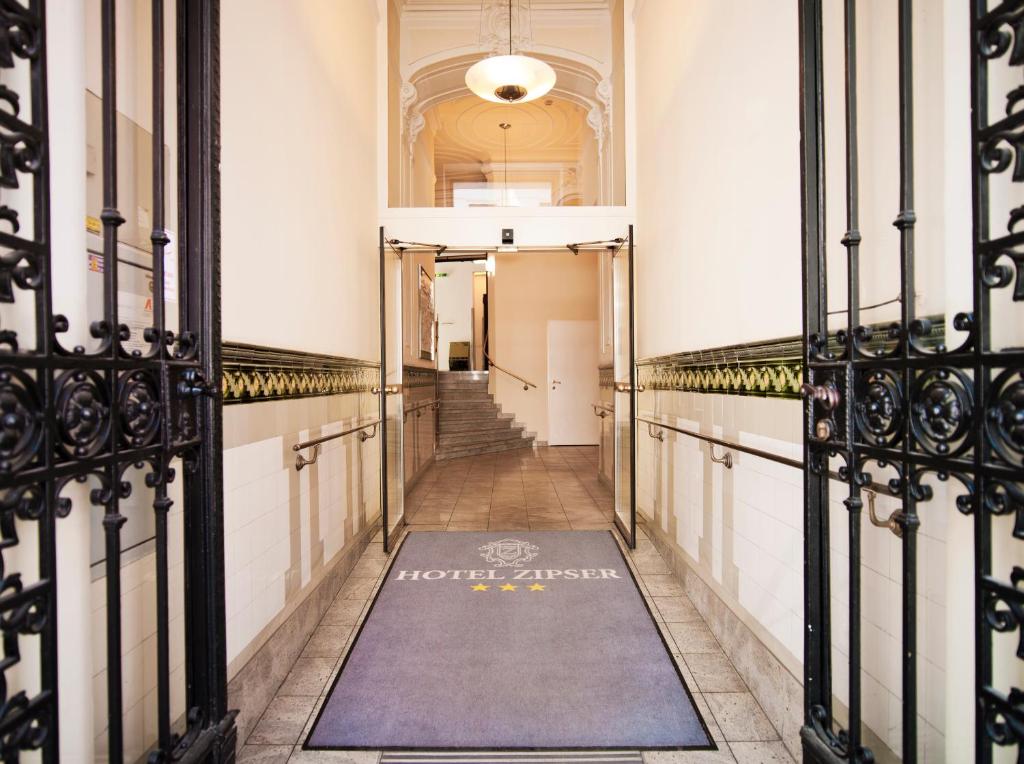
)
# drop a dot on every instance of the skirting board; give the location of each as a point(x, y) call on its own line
point(254, 685)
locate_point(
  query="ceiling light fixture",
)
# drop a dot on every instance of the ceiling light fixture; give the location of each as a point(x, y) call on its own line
point(511, 78)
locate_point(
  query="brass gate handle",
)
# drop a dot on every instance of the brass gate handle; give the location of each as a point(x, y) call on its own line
point(827, 394)
point(625, 387)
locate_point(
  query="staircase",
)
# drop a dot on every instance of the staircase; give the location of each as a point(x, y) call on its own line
point(470, 421)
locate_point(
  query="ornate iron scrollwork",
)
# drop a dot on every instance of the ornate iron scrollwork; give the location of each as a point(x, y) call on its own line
point(100, 419)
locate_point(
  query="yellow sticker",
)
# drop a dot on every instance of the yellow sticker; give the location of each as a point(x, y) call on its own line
point(93, 225)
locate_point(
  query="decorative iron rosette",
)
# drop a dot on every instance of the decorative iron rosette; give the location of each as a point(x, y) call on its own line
point(83, 413)
point(942, 411)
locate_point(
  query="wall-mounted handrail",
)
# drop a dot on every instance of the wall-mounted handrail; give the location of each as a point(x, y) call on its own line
point(602, 409)
point(434, 404)
point(301, 461)
point(727, 458)
point(726, 444)
point(526, 384)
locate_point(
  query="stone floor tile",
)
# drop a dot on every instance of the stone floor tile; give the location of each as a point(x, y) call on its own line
point(761, 753)
point(344, 611)
point(694, 637)
point(677, 609)
point(264, 754)
point(740, 717)
point(714, 672)
point(355, 589)
point(283, 721)
point(721, 756)
point(327, 641)
point(307, 677)
point(664, 586)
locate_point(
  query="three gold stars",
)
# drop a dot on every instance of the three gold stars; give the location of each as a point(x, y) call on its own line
point(507, 587)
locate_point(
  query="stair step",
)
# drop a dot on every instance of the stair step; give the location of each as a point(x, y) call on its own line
point(474, 438)
point(451, 453)
point(483, 425)
point(461, 405)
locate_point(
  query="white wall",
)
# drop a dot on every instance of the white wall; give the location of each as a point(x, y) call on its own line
point(526, 291)
point(299, 182)
point(454, 306)
point(718, 174)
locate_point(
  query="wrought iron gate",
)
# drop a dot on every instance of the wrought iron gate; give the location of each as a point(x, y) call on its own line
point(90, 415)
point(908, 405)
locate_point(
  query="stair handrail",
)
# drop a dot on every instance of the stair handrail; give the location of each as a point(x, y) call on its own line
point(526, 383)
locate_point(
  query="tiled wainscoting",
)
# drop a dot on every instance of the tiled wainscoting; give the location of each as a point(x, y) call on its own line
point(734, 537)
point(419, 386)
point(292, 537)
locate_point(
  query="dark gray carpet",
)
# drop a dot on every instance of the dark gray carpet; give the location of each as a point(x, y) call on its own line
point(440, 664)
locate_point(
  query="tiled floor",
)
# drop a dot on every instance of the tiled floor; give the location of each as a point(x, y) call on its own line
point(542, 490)
point(545, 489)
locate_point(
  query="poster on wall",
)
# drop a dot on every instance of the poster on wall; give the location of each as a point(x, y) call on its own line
point(427, 321)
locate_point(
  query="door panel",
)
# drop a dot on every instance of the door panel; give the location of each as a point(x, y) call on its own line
point(624, 398)
point(572, 383)
point(392, 477)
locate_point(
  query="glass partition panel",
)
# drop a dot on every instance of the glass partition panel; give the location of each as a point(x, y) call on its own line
point(392, 480)
point(624, 396)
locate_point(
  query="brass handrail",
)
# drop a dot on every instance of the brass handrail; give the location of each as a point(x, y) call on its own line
point(526, 384)
point(436, 403)
point(726, 459)
point(301, 461)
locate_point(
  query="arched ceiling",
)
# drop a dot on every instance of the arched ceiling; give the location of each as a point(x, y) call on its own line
point(549, 129)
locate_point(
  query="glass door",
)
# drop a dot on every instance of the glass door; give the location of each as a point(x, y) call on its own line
point(392, 479)
point(624, 399)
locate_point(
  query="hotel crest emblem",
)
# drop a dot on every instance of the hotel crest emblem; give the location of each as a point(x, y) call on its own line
point(508, 553)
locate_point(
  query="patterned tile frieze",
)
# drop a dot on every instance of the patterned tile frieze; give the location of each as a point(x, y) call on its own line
point(252, 373)
point(771, 368)
point(606, 376)
point(417, 376)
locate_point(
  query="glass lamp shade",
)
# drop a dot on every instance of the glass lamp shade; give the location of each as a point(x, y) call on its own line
point(510, 79)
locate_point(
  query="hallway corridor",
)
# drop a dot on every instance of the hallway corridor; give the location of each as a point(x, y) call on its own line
point(546, 489)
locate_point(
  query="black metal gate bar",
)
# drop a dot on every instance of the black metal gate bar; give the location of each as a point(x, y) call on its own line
point(68, 415)
point(908, 518)
point(996, 35)
point(914, 408)
point(851, 241)
point(816, 734)
point(161, 502)
point(110, 332)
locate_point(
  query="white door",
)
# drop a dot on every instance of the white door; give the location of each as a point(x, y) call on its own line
point(572, 383)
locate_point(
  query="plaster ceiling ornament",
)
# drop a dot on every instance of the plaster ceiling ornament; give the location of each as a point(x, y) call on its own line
point(508, 78)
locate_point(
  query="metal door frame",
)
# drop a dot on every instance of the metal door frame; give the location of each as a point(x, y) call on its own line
point(74, 415)
point(383, 390)
point(880, 406)
point(629, 387)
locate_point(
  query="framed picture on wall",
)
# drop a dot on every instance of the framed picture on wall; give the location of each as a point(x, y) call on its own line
point(427, 322)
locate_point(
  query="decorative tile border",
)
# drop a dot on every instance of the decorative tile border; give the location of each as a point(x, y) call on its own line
point(418, 376)
point(606, 376)
point(773, 368)
point(252, 373)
